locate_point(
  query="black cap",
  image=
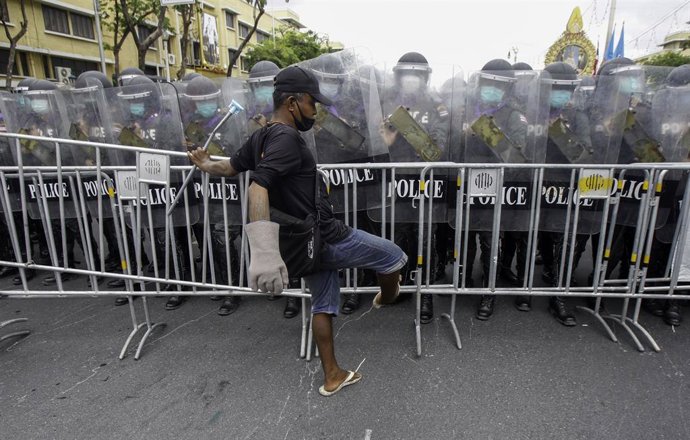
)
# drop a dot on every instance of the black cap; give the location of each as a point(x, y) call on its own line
point(298, 80)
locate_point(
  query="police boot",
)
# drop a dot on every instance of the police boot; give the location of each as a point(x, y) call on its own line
point(654, 306)
point(506, 275)
point(427, 308)
point(30, 274)
point(486, 307)
point(672, 313)
point(230, 305)
point(6, 271)
point(548, 275)
point(174, 302)
point(351, 303)
point(559, 311)
point(523, 303)
point(292, 307)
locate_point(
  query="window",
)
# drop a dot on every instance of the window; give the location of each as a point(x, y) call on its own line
point(231, 53)
point(58, 20)
point(82, 25)
point(196, 54)
point(244, 30)
point(21, 64)
point(3, 10)
point(243, 64)
point(229, 19)
point(144, 32)
point(55, 20)
point(78, 66)
point(261, 36)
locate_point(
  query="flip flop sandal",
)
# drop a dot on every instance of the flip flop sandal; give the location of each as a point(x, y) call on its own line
point(351, 379)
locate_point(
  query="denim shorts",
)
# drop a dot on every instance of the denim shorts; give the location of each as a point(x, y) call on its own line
point(358, 250)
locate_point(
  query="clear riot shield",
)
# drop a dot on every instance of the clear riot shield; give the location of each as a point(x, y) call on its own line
point(416, 128)
point(147, 115)
point(258, 96)
point(89, 120)
point(504, 124)
point(638, 85)
point(42, 113)
point(585, 129)
point(202, 112)
point(8, 106)
point(347, 131)
point(671, 111)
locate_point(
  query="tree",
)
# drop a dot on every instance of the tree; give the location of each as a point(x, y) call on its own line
point(187, 12)
point(135, 13)
point(259, 10)
point(23, 26)
point(289, 47)
point(115, 23)
point(672, 59)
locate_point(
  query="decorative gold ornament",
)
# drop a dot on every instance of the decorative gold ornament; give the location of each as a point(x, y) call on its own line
point(573, 47)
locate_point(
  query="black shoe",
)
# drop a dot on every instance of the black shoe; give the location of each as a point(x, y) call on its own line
point(508, 276)
point(174, 302)
point(292, 307)
point(116, 283)
point(121, 301)
point(654, 306)
point(6, 271)
point(351, 303)
point(112, 265)
point(523, 303)
point(560, 312)
point(229, 306)
point(215, 297)
point(30, 274)
point(427, 309)
point(672, 314)
point(273, 297)
point(486, 307)
point(51, 281)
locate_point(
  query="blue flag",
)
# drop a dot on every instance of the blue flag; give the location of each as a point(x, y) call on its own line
point(609, 47)
point(620, 49)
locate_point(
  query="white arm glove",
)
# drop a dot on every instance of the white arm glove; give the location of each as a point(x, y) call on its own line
point(267, 270)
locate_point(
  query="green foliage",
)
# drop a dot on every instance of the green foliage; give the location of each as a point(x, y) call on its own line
point(672, 59)
point(290, 46)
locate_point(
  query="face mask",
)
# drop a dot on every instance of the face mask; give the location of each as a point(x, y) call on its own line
point(206, 109)
point(264, 94)
point(39, 105)
point(491, 94)
point(137, 109)
point(559, 98)
point(306, 123)
point(329, 89)
point(631, 85)
point(410, 84)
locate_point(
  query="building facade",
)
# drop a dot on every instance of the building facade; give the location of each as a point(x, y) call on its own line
point(62, 39)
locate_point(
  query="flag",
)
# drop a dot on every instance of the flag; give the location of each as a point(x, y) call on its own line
point(620, 49)
point(609, 47)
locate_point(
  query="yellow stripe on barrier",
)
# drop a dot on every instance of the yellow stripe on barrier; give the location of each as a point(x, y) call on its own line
point(646, 260)
point(645, 185)
point(111, 192)
point(123, 263)
point(659, 187)
point(420, 260)
point(455, 254)
point(459, 182)
point(594, 183)
point(422, 186)
point(633, 258)
point(607, 254)
point(620, 184)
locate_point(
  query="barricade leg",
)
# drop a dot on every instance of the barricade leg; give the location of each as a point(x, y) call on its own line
point(21, 333)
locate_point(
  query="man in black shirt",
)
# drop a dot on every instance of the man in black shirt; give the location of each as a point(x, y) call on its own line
point(284, 177)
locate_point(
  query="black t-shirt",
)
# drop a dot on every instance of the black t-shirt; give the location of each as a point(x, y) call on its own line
point(281, 162)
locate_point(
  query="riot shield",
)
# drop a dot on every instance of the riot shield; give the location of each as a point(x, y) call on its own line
point(505, 124)
point(347, 131)
point(638, 85)
point(147, 115)
point(258, 97)
point(7, 106)
point(584, 129)
point(417, 128)
point(42, 113)
point(203, 111)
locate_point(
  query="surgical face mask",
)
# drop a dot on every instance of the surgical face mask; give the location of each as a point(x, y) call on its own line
point(490, 94)
point(306, 123)
point(329, 89)
point(559, 98)
point(206, 109)
point(264, 94)
point(410, 84)
point(629, 85)
point(40, 106)
point(137, 109)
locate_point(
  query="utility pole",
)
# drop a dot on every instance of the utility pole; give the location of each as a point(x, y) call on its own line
point(97, 17)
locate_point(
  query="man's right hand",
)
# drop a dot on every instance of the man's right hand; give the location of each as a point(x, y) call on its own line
point(200, 158)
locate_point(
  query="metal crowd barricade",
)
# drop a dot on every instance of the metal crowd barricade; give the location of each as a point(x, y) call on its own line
point(131, 222)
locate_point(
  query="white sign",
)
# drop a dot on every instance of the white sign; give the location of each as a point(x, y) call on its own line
point(127, 185)
point(595, 184)
point(153, 168)
point(483, 182)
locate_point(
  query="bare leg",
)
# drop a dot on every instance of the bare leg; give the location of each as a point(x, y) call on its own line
point(322, 327)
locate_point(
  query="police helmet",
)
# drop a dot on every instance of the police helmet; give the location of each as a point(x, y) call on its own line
point(190, 76)
point(521, 66)
point(561, 75)
point(679, 77)
point(263, 71)
point(23, 85)
point(92, 79)
point(202, 89)
point(127, 74)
